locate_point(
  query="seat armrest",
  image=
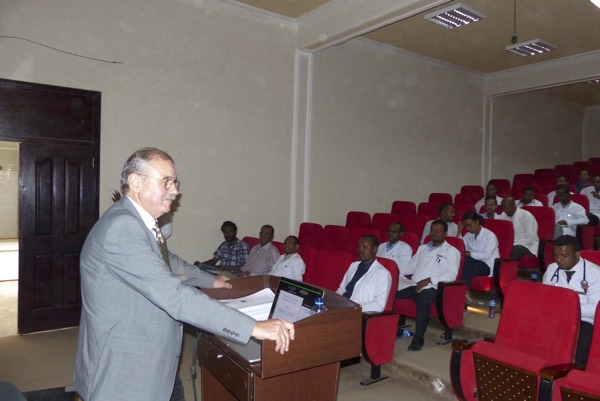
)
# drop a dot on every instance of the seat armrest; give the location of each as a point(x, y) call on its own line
point(554, 372)
point(371, 315)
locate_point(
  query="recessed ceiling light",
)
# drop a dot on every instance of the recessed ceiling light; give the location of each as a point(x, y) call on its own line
point(531, 47)
point(594, 81)
point(454, 16)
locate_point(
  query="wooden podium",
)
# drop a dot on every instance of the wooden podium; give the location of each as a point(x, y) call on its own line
point(308, 371)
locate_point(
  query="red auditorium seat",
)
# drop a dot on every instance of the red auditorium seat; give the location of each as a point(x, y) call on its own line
point(355, 234)
point(251, 241)
point(403, 208)
point(415, 223)
point(450, 299)
point(476, 190)
point(503, 185)
point(331, 267)
point(381, 222)
point(310, 234)
point(471, 199)
point(379, 330)
point(279, 246)
point(440, 197)
point(411, 239)
point(545, 218)
point(335, 237)
point(564, 383)
point(523, 179)
point(309, 256)
point(430, 209)
point(358, 219)
point(538, 328)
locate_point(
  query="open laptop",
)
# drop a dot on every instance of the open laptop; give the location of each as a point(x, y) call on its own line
point(293, 301)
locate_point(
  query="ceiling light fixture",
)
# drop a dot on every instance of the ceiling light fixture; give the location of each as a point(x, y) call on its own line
point(596, 3)
point(594, 81)
point(531, 47)
point(455, 16)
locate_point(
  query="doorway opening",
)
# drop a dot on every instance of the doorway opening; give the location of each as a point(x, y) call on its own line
point(9, 237)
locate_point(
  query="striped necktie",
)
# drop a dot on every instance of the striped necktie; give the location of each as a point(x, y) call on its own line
point(162, 244)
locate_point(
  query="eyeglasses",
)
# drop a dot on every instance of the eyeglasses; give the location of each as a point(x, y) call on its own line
point(169, 182)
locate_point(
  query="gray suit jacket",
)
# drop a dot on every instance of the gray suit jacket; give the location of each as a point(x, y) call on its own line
point(133, 305)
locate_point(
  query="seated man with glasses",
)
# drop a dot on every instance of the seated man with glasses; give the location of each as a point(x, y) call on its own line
point(395, 249)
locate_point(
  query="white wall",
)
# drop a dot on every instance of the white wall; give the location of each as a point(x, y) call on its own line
point(387, 125)
point(212, 89)
point(591, 132)
point(530, 131)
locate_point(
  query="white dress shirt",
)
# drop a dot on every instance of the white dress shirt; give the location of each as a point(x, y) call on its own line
point(588, 300)
point(400, 252)
point(526, 230)
point(483, 247)
point(372, 290)
point(439, 263)
point(594, 202)
point(290, 266)
point(534, 202)
point(573, 214)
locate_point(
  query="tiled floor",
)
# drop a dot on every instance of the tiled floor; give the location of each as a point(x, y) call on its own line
point(8, 308)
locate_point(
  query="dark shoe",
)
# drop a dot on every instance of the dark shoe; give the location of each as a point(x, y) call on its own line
point(416, 345)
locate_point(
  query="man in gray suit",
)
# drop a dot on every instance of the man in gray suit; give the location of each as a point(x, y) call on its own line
point(136, 293)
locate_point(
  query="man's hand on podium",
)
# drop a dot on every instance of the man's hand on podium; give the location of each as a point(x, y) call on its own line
point(221, 282)
point(278, 330)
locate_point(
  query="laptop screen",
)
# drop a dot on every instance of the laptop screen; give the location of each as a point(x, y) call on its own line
point(294, 300)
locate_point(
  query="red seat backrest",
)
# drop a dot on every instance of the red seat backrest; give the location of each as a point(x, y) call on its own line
point(430, 209)
point(415, 223)
point(545, 217)
point(440, 197)
point(391, 267)
point(469, 198)
point(403, 208)
point(310, 234)
point(593, 362)
point(335, 237)
point(540, 320)
point(505, 232)
point(331, 267)
point(503, 185)
point(582, 200)
point(381, 222)
point(355, 234)
point(411, 239)
point(476, 190)
point(251, 241)
point(358, 219)
point(309, 256)
point(279, 246)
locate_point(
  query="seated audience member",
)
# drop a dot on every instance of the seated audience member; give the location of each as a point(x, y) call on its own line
point(528, 198)
point(560, 180)
point(593, 194)
point(582, 276)
point(262, 256)
point(491, 205)
point(490, 190)
point(395, 249)
point(232, 252)
point(446, 214)
point(290, 264)
point(367, 282)
point(434, 262)
point(584, 180)
point(568, 213)
point(526, 240)
point(481, 249)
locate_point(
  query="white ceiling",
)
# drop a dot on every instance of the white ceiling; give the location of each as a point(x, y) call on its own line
point(572, 25)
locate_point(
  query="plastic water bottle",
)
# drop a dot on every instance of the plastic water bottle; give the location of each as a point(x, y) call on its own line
point(319, 306)
point(534, 277)
point(407, 333)
point(492, 312)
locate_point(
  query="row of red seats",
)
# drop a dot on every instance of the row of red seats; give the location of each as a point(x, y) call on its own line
point(531, 356)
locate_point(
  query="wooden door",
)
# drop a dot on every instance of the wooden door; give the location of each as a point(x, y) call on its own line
point(57, 209)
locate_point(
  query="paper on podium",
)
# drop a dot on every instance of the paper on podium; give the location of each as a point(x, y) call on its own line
point(257, 305)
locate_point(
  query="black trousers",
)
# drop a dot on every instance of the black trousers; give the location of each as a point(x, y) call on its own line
point(424, 299)
point(518, 251)
point(473, 267)
point(584, 341)
point(177, 394)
